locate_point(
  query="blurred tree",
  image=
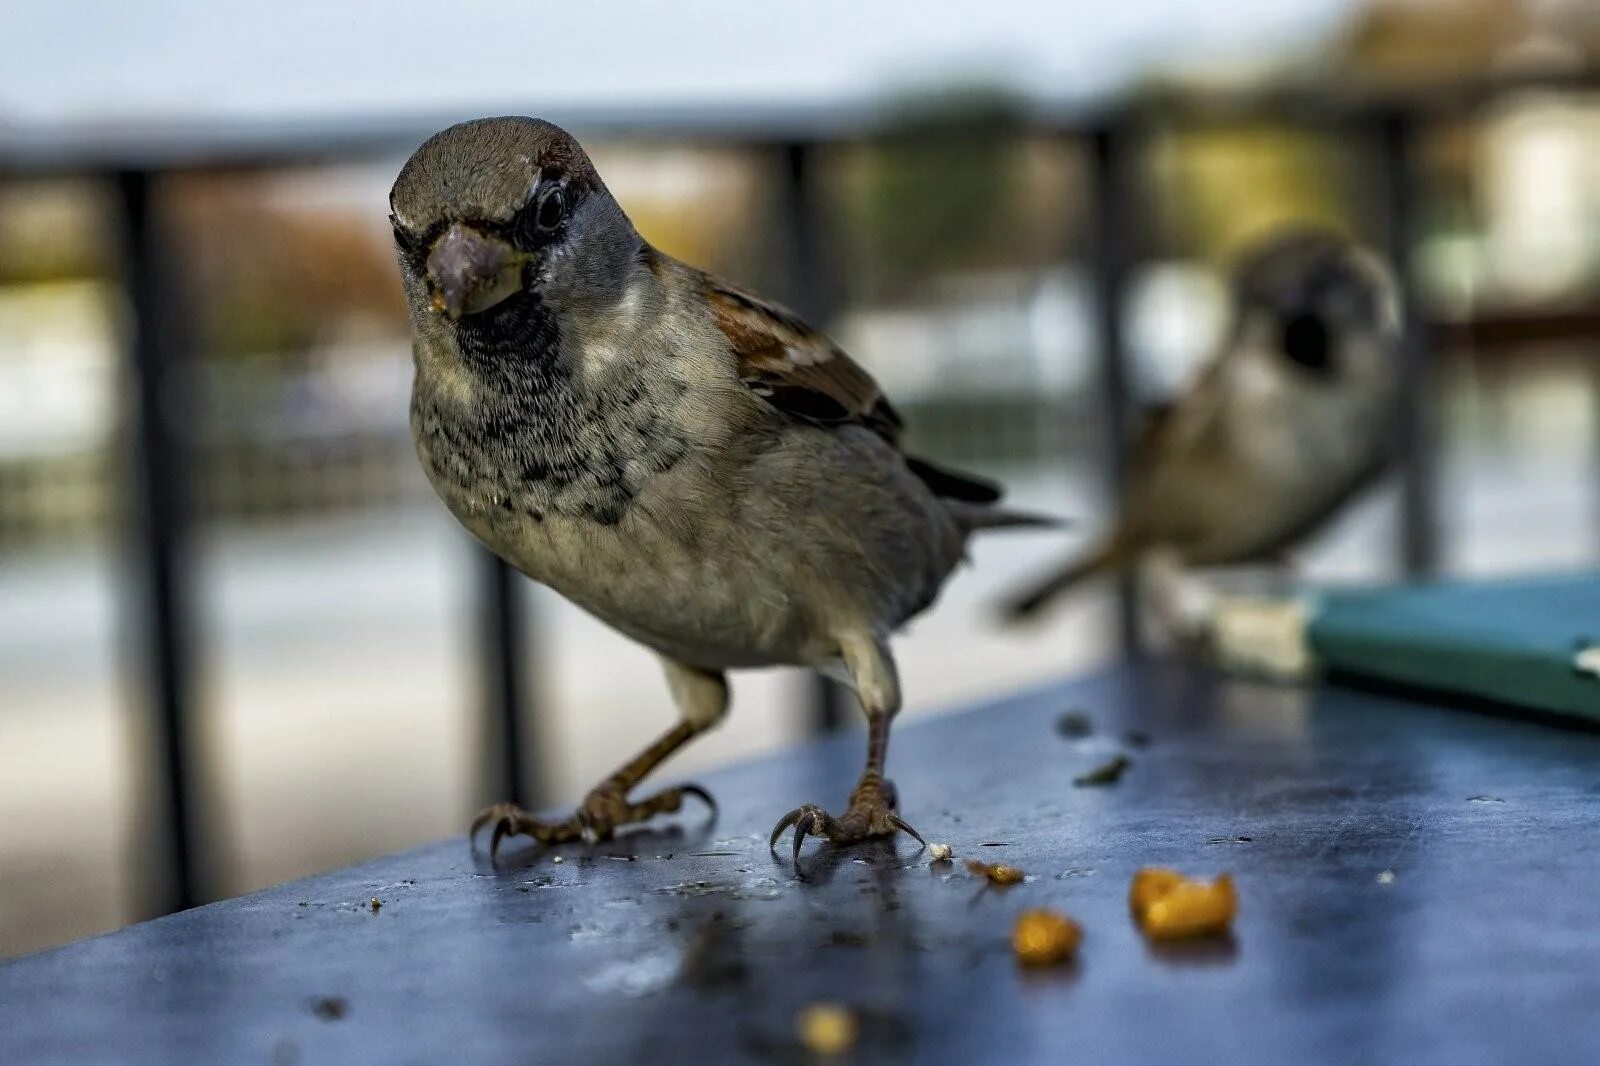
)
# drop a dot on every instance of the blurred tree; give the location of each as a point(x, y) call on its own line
point(941, 189)
point(53, 230)
point(264, 280)
point(1406, 43)
point(1293, 176)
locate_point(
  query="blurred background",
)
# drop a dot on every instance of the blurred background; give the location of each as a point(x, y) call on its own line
point(240, 641)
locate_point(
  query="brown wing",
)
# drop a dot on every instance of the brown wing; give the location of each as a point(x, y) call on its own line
point(809, 378)
point(1192, 421)
point(1188, 434)
point(796, 369)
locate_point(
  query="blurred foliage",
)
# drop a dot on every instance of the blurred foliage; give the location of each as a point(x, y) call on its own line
point(1293, 176)
point(948, 186)
point(1404, 43)
point(262, 278)
point(54, 230)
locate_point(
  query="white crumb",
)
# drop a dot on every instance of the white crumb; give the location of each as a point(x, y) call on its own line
point(940, 852)
point(1386, 877)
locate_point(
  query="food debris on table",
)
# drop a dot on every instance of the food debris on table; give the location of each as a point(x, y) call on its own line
point(376, 904)
point(1043, 937)
point(1108, 773)
point(1169, 906)
point(826, 1028)
point(1386, 877)
point(1074, 725)
point(940, 852)
point(329, 1008)
point(997, 873)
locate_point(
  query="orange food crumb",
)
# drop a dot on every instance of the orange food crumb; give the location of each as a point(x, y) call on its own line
point(1169, 906)
point(1045, 938)
point(1149, 885)
point(826, 1029)
point(997, 873)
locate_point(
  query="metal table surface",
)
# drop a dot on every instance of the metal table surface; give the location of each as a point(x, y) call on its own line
point(692, 944)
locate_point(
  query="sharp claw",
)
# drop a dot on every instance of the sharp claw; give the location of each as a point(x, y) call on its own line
point(485, 817)
point(783, 823)
point(802, 826)
point(501, 828)
point(900, 824)
point(701, 794)
point(586, 828)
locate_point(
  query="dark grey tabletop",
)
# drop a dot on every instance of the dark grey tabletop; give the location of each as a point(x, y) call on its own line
point(1417, 884)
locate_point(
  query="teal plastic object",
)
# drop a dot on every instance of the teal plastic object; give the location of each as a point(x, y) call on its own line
point(1516, 642)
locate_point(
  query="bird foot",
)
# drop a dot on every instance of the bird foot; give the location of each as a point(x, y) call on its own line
point(602, 812)
point(871, 814)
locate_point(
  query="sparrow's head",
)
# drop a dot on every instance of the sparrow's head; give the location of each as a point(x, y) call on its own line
point(1311, 292)
point(500, 211)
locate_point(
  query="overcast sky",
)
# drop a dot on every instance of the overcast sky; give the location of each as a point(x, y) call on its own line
point(73, 60)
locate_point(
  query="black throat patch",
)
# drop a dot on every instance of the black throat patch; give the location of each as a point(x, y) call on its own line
point(534, 443)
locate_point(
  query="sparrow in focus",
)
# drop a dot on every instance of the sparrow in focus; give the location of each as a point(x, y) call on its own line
point(1286, 423)
point(692, 464)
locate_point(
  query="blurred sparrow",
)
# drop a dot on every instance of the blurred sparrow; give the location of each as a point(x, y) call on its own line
point(690, 463)
point(1289, 421)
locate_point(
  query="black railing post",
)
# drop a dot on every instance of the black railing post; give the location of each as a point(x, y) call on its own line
point(509, 755)
point(812, 294)
point(1396, 132)
point(161, 615)
point(1110, 256)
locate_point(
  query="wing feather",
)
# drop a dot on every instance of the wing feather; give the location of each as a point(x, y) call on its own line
point(808, 378)
point(796, 369)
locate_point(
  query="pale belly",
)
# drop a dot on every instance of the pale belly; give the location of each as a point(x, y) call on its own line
point(714, 607)
point(713, 563)
point(1288, 475)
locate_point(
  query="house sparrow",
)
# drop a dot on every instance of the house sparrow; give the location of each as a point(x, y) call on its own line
point(690, 463)
point(1289, 421)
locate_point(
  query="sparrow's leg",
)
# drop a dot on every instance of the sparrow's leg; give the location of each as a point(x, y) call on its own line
point(872, 805)
point(702, 699)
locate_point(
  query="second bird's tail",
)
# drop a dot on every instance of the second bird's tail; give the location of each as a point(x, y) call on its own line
point(1107, 557)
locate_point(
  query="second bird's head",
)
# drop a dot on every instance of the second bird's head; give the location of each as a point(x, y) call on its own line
point(1319, 300)
point(505, 215)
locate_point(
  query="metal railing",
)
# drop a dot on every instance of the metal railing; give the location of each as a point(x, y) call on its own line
point(160, 352)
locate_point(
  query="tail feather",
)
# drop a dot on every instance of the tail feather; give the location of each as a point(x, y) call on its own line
point(975, 517)
point(954, 484)
point(1109, 556)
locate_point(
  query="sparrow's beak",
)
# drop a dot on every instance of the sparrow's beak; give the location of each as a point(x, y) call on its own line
point(470, 271)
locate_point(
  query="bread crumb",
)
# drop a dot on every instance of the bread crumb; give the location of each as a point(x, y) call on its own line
point(826, 1028)
point(997, 873)
point(1169, 906)
point(1043, 937)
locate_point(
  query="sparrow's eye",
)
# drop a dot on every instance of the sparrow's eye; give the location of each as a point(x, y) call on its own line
point(403, 238)
point(552, 210)
point(1307, 341)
